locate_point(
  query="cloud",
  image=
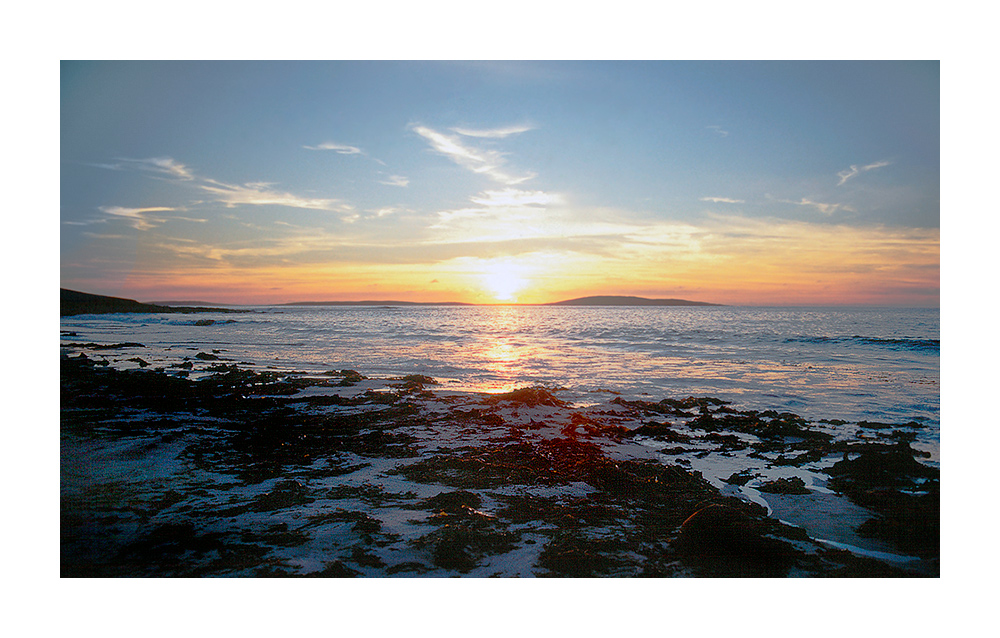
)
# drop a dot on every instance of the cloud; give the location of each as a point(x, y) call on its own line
point(826, 209)
point(256, 193)
point(342, 149)
point(855, 170)
point(103, 236)
point(722, 200)
point(138, 218)
point(396, 180)
point(259, 194)
point(162, 166)
point(483, 161)
point(493, 133)
point(388, 210)
point(718, 129)
point(514, 197)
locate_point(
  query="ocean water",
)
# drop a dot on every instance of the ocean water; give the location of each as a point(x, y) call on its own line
point(876, 364)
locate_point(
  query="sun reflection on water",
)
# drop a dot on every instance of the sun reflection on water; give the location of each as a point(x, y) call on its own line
point(500, 356)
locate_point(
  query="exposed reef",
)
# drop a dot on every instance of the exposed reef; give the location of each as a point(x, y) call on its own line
point(242, 473)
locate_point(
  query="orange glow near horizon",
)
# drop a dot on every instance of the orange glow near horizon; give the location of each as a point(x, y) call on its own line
point(738, 262)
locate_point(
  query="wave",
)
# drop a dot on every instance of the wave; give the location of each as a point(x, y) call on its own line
point(927, 345)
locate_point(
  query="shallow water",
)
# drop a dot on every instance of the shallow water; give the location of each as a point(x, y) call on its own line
point(877, 364)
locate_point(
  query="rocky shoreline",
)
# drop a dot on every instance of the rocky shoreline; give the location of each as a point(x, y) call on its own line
point(253, 474)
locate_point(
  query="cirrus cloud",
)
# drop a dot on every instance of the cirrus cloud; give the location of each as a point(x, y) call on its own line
point(478, 160)
point(343, 149)
point(856, 170)
point(723, 200)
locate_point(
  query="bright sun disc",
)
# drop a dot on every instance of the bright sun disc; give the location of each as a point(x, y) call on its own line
point(504, 279)
point(503, 285)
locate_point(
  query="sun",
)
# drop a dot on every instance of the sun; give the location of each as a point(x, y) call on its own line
point(504, 286)
point(504, 279)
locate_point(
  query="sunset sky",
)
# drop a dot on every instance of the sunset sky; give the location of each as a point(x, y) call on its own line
point(727, 182)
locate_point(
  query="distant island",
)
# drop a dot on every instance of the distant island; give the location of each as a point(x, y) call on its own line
point(73, 302)
point(603, 300)
point(188, 303)
point(375, 303)
point(613, 300)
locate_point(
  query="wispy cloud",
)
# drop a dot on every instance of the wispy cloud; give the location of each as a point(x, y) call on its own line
point(723, 200)
point(483, 161)
point(718, 129)
point(514, 197)
point(343, 149)
point(855, 170)
point(138, 218)
point(826, 209)
point(103, 235)
point(260, 194)
point(395, 180)
point(493, 133)
point(164, 167)
point(256, 193)
point(388, 210)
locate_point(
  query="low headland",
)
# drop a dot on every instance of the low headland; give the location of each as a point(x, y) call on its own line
point(73, 302)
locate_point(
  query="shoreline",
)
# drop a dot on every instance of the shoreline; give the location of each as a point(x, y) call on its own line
point(252, 473)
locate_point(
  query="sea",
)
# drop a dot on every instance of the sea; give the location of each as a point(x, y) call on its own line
point(833, 363)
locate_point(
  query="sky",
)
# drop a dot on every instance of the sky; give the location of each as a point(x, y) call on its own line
point(746, 183)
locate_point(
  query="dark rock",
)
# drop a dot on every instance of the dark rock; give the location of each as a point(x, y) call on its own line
point(285, 494)
point(793, 485)
point(573, 555)
point(873, 425)
point(911, 522)
point(725, 541)
point(464, 539)
point(741, 478)
point(660, 432)
point(879, 466)
point(903, 492)
point(366, 559)
point(222, 367)
point(349, 377)
point(409, 566)
point(414, 382)
point(530, 397)
point(727, 441)
point(336, 569)
point(810, 456)
point(105, 346)
point(453, 502)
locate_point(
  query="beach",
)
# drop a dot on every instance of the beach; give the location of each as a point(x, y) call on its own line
point(215, 468)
